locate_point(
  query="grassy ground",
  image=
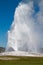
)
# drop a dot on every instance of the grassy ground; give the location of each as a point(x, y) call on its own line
point(22, 61)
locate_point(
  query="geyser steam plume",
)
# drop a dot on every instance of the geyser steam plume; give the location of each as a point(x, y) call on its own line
point(26, 33)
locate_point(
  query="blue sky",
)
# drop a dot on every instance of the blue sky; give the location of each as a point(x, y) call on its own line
point(7, 8)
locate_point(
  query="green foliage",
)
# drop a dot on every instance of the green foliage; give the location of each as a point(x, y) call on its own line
point(22, 61)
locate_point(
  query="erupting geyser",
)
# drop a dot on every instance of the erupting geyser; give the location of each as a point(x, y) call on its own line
point(26, 33)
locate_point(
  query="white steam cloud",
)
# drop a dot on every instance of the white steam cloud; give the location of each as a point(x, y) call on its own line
point(26, 32)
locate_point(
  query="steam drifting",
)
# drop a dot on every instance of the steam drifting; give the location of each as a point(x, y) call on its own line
point(26, 33)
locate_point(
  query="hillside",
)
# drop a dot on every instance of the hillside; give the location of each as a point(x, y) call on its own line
point(2, 49)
